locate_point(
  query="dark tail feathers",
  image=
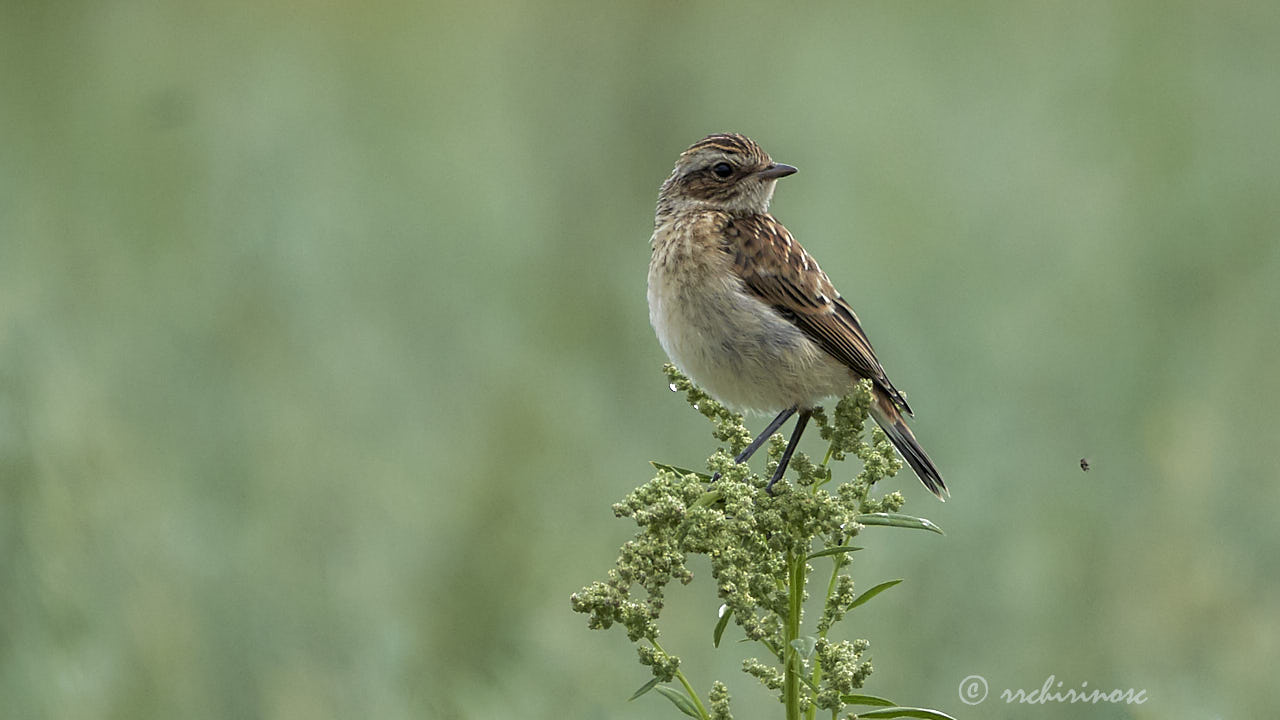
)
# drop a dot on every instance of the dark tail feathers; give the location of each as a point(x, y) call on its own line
point(890, 420)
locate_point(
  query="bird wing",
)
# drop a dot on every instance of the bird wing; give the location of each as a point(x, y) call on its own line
point(777, 270)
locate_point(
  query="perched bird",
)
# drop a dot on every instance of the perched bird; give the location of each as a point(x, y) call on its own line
point(747, 313)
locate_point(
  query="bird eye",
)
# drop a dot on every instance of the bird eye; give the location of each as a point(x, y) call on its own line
point(722, 170)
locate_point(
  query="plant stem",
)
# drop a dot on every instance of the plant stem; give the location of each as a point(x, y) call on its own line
point(791, 670)
point(702, 711)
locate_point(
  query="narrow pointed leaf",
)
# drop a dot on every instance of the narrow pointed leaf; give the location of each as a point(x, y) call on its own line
point(681, 702)
point(679, 470)
point(873, 592)
point(867, 700)
point(832, 551)
point(725, 614)
point(644, 689)
point(899, 520)
point(906, 712)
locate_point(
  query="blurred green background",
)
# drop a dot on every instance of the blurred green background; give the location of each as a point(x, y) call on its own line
point(324, 348)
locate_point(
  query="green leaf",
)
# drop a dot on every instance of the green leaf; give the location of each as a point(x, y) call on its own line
point(906, 712)
point(832, 551)
point(873, 592)
point(644, 689)
point(708, 498)
point(680, 701)
point(899, 520)
point(805, 645)
point(866, 700)
point(679, 470)
point(725, 613)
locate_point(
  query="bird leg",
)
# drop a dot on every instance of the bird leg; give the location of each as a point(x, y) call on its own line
point(791, 448)
point(760, 439)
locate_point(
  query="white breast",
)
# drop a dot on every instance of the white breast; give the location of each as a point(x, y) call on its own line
point(731, 344)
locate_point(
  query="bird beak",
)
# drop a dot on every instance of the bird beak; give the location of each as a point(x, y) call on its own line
point(775, 171)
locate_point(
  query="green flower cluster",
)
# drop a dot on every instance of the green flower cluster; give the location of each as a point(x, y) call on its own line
point(761, 547)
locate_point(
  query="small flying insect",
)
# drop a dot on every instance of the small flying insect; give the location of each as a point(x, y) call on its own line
point(1084, 464)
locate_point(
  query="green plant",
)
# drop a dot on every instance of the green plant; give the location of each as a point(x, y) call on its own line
point(762, 550)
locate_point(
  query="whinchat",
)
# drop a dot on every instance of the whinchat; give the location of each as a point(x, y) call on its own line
point(747, 313)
